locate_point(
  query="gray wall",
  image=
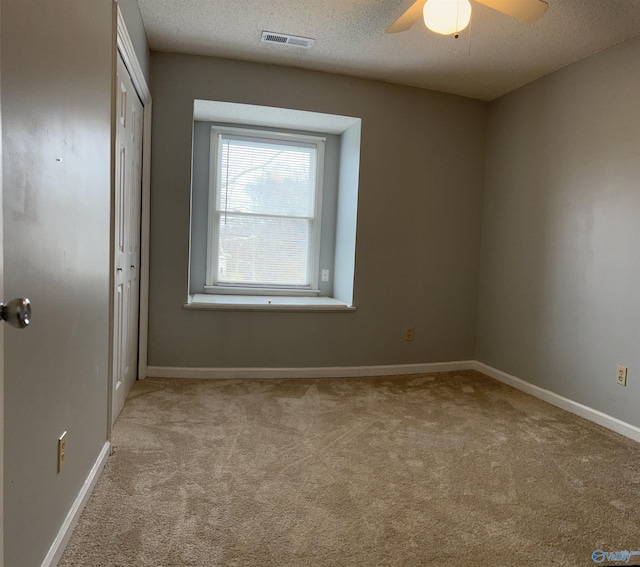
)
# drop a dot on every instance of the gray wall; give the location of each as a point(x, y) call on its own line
point(417, 254)
point(559, 302)
point(57, 62)
point(133, 20)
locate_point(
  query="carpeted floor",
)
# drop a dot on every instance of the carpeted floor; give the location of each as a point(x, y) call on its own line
point(451, 469)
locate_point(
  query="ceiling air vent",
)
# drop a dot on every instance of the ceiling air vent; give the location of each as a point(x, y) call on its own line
point(288, 40)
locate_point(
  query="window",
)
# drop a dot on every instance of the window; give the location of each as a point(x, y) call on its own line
point(265, 205)
point(274, 198)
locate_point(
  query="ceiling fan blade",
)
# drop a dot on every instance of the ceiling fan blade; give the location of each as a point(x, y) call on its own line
point(410, 17)
point(526, 11)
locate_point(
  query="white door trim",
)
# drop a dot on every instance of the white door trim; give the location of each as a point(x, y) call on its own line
point(128, 54)
point(1, 358)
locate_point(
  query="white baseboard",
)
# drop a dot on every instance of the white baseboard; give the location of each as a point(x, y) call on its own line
point(58, 545)
point(613, 423)
point(319, 372)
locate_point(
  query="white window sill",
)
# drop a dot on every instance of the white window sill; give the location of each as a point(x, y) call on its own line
point(265, 303)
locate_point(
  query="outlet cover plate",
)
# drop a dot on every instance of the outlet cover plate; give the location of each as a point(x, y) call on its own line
point(621, 375)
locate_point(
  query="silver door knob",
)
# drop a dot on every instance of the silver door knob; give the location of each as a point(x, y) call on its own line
point(17, 312)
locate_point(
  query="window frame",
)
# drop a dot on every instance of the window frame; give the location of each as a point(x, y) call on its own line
point(212, 284)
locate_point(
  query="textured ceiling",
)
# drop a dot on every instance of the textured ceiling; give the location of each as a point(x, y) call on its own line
point(501, 54)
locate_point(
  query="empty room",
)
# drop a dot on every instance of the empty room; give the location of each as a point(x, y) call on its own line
point(320, 283)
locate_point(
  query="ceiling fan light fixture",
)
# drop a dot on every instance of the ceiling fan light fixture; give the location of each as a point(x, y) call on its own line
point(447, 17)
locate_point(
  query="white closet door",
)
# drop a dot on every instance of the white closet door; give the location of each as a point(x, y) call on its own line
point(127, 237)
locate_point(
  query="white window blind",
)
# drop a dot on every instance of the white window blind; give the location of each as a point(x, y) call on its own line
point(266, 198)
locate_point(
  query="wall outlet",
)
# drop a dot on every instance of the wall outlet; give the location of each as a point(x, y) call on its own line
point(621, 375)
point(62, 450)
point(325, 275)
point(408, 334)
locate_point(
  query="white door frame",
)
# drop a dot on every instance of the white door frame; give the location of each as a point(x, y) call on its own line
point(2, 298)
point(128, 54)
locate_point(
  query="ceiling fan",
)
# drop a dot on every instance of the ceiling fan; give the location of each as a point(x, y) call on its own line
point(452, 16)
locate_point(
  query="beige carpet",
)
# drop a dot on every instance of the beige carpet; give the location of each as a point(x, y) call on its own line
point(451, 469)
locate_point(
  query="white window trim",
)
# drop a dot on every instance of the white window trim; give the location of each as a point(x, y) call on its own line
point(286, 291)
point(212, 286)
